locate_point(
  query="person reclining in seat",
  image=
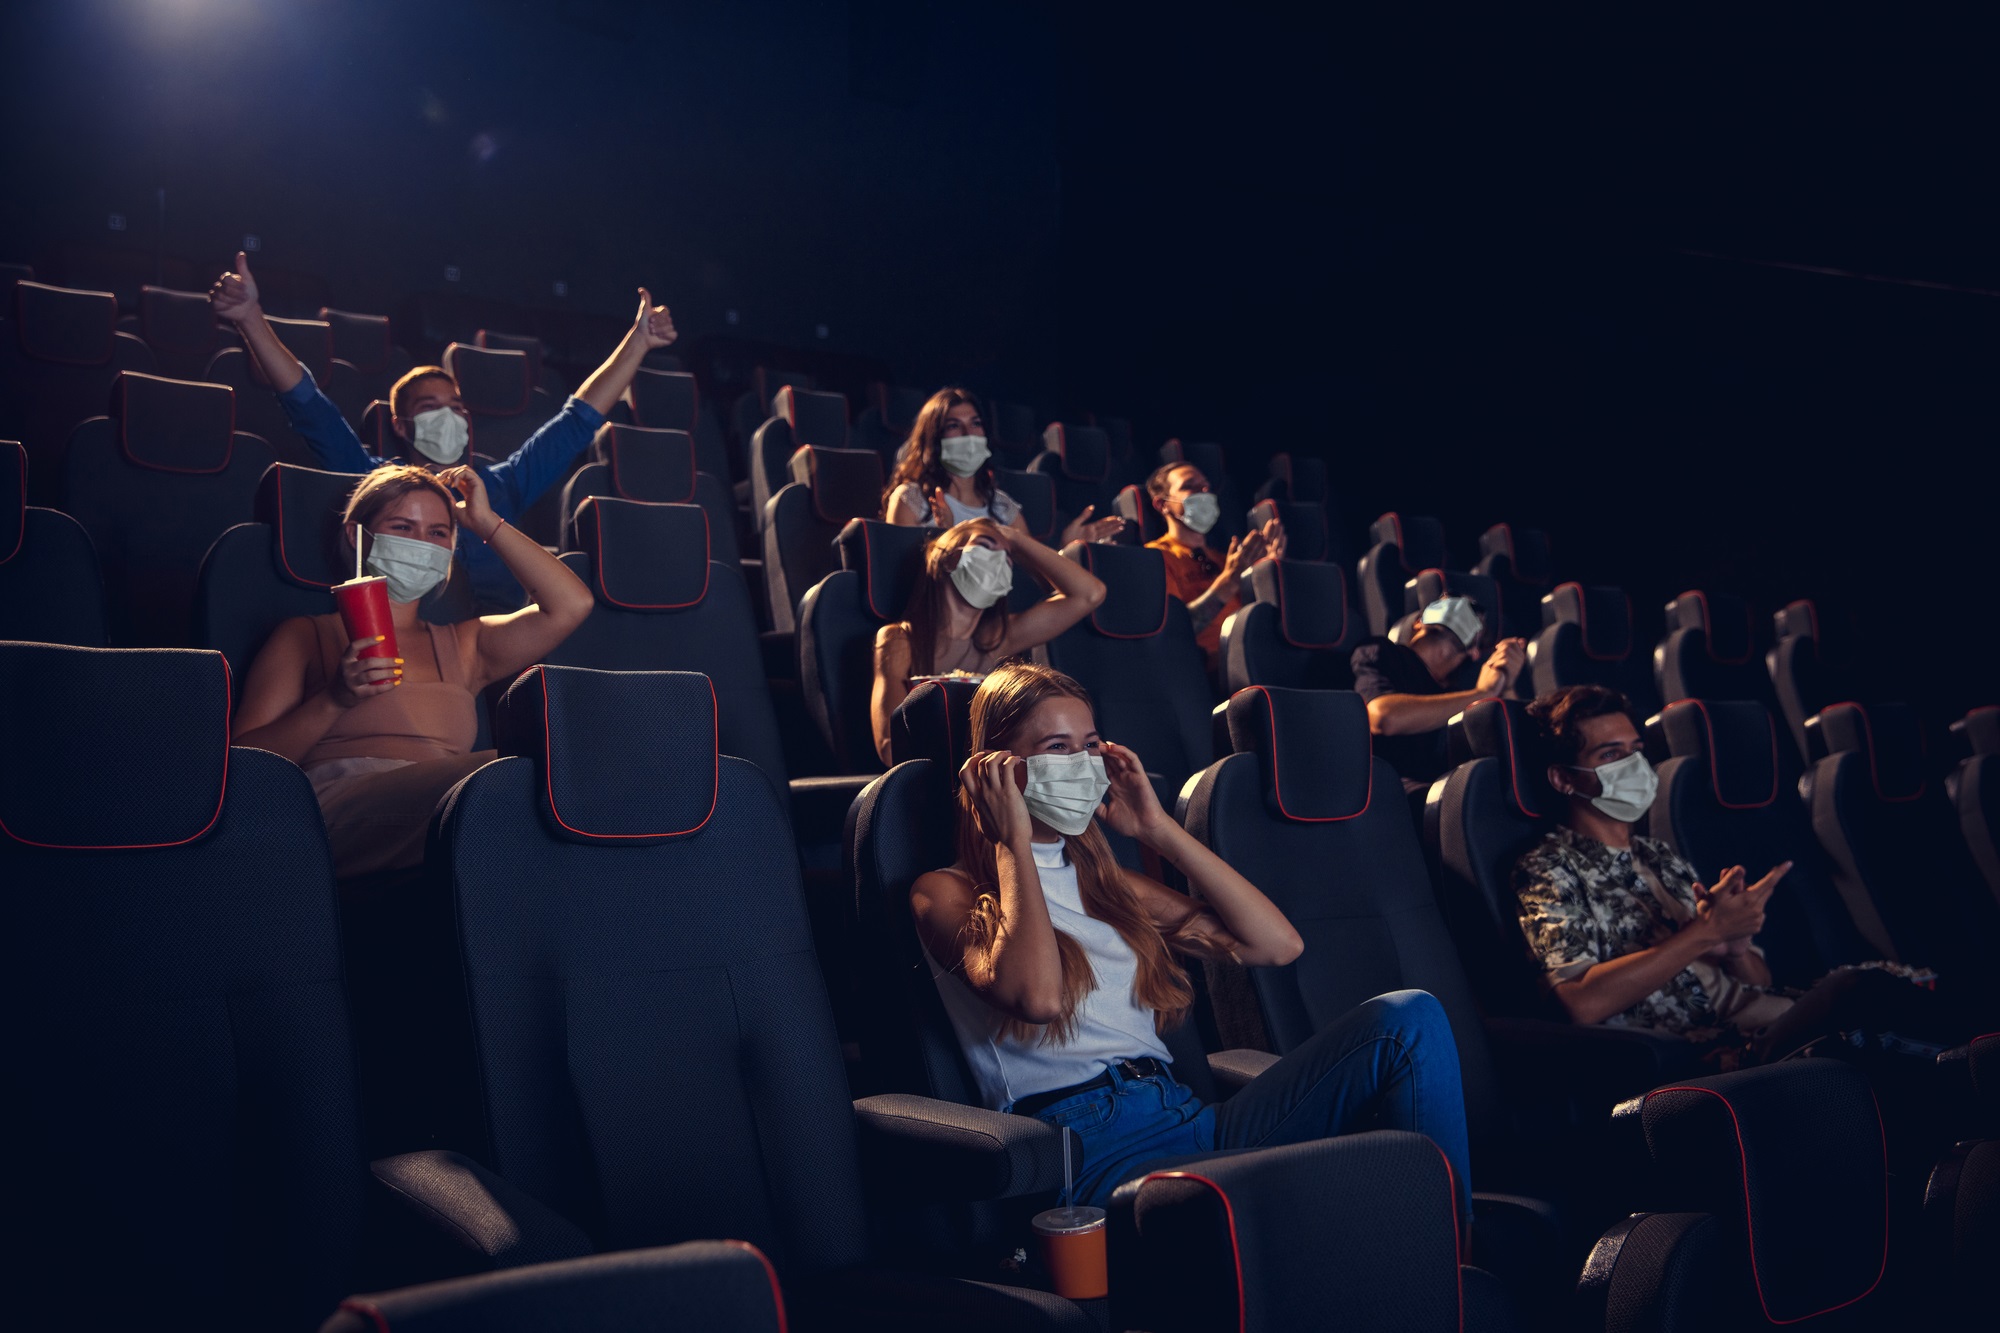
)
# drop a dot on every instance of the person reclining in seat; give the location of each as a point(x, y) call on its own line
point(1407, 686)
point(944, 475)
point(432, 425)
point(1210, 587)
point(958, 623)
point(382, 739)
point(1060, 970)
point(1627, 935)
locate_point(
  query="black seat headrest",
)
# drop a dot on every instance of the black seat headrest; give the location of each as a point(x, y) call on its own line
point(1084, 451)
point(362, 341)
point(656, 466)
point(303, 507)
point(1419, 537)
point(1741, 744)
point(627, 758)
point(76, 328)
point(1135, 590)
point(1603, 617)
point(1311, 597)
point(173, 321)
point(174, 425)
point(1214, 464)
point(1308, 535)
point(898, 406)
point(1526, 550)
point(1304, 478)
point(1014, 424)
point(644, 557)
point(663, 399)
point(1501, 729)
point(769, 381)
point(934, 722)
point(13, 499)
point(491, 382)
point(111, 749)
point(1890, 734)
point(1314, 749)
point(525, 343)
point(816, 417)
point(1035, 492)
point(1723, 617)
point(1797, 620)
point(845, 483)
point(889, 557)
point(310, 340)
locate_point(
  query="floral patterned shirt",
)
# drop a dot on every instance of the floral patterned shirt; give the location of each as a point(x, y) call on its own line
point(1583, 903)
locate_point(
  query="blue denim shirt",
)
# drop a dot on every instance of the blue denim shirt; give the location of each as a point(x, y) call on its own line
point(512, 484)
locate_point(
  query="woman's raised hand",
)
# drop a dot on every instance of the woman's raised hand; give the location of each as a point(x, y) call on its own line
point(475, 511)
point(358, 677)
point(1133, 807)
point(992, 780)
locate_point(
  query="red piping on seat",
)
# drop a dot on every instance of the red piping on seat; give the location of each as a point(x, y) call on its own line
point(597, 565)
point(1583, 623)
point(549, 772)
point(1284, 625)
point(1235, 1246)
point(1749, 1220)
point(21, 525)
point(1708, 628)
point(777, 1292)
point(1165, 596)
point(1715, 770)
point(125, 430)
point(619, 486)
point(284, 557)
point(1458, 1237)
point(1271, 717)
point(1513, 767)
point(222, 792)
point(374, 1316)
point(1874, 774)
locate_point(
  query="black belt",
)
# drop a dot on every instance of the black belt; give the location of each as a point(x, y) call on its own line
point(1144, 1067)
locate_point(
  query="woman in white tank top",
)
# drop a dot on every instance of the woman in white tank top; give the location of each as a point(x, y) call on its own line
point(1059, 969)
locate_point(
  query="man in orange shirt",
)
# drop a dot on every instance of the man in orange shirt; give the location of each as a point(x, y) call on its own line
point(1195, 574)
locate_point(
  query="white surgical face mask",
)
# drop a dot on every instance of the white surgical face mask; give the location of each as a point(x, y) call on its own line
point(412, 567)
point(1626, 787)
point(963, 455)
point(440, 435)
point(1200, 510)
point(1064, 790)
point(983, 576)
point(1455, 614)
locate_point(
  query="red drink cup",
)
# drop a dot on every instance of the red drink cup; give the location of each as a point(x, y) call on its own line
point(364, 610)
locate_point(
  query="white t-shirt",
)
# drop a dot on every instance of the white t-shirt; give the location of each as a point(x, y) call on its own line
point(1001, 510)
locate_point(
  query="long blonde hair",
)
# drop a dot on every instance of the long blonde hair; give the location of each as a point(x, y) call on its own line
point(999, 710)
point(925, 613)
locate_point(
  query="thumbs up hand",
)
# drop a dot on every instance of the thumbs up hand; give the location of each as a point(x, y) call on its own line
point(654, 324)
point(234, 295)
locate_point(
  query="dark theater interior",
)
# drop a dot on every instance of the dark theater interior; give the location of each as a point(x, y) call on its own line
point(885, 665)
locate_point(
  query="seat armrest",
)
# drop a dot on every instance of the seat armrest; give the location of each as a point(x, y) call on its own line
point(482, 1213)
point(819, 805)
point(1604, 1063)
point(940, 1152)
point(1234, 1069)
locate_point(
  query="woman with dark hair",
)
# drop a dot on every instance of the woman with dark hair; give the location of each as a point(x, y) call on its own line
point(957, 622)
point(381, 739)
point(1061, 970)
point(944, 476)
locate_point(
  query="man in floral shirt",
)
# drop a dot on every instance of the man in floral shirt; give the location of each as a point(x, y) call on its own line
point(1625, 934)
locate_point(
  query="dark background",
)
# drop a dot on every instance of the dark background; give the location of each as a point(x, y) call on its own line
point(1459, 255)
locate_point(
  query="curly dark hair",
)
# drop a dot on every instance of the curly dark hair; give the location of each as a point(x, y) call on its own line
point(1560, 714)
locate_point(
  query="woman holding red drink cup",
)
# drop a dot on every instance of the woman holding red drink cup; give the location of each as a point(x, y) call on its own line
point(383, 723)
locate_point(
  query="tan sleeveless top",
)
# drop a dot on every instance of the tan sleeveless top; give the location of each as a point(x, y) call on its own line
point(417, 721)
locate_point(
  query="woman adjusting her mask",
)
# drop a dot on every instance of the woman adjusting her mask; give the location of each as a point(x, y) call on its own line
point(382, 738)
point(957, 621)
point(944, 476)
point(1061, 970)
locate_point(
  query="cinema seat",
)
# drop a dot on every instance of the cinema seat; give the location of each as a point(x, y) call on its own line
point(154, 484)
point(888, 419)
point(1805, 675)
point(1709, 652)
point(828, 487)
point(880, 564)
point(58, 363)
point(656, 467)
point(670, 400)
point(1296, 478)
point(719, 1285)
point(1078, 460)
point(367, 343)
point(1587, 639)
point(753, 408)
point(1014, 436)
point(800, 418)
point(738, 1121)
point(1308, 531)
point(1143, 523)
point(177, 1030)
point(1213, 461)
point(50, 591)
point(507, 408)
point(1431, 584)
point(1976, 791)
point(1299, 633)
point(180, 327)
point(1036, 494)
point(257, 408)
point(1517, 560)
point(1400, 546)
point(540, 373)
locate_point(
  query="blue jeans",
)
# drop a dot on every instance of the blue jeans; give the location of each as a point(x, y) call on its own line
point(1389, 1063)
